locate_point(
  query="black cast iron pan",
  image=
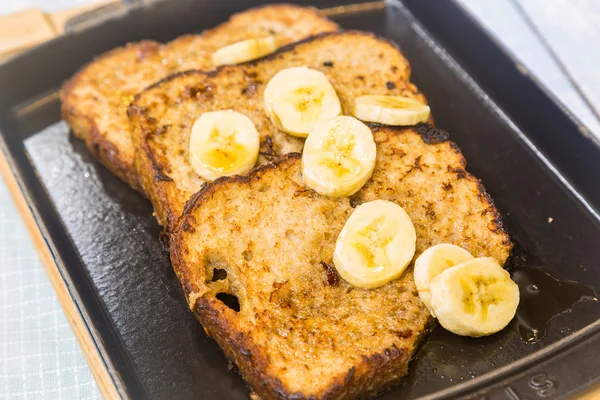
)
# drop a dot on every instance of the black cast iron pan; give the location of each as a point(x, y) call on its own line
point(540, 165)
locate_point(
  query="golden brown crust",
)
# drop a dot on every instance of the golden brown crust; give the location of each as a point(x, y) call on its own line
point(297, 332)
point(94, 100)
point(372, 375)
point(116, 157)
point(356, 63)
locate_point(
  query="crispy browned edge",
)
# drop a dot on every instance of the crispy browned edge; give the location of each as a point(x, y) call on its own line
point(85, 128)
point(373, 370)
point(149, 170)
point(433, 135)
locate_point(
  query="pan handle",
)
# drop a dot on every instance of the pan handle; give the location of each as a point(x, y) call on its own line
point(102, 13)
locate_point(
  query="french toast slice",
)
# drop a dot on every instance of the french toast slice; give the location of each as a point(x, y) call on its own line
point(356, 63)
point(95, 99)
point(298, 330)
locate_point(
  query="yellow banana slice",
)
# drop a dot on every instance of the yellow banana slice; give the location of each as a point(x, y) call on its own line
point(339, 157)
point(474, 298)
point(433, 261)
point(390, 110)
point(376, 244)
point(223, 143)
point(245, 50)
point(296, 99)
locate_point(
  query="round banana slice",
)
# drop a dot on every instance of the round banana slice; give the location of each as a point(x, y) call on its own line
point(245, 50)
point(223, 143)
point(433, 261)
point(296, 99)
point(376, 244)
point(474, 298)
point(390, 110)
point(338, 157)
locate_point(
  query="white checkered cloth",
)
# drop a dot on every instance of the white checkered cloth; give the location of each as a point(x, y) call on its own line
point(39, 357)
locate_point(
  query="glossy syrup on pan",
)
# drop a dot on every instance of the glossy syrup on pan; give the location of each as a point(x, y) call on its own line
point(543, 297)
point(454, 358)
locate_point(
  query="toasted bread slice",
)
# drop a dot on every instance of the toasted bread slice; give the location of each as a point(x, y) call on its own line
point(356, 63)
point(94, 101)
point(300, 331)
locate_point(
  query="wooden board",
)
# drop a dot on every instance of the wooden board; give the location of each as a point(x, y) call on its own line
point(25, 29)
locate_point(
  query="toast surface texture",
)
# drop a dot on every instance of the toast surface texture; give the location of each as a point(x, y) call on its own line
point(162, 116)
point(95, 100)
point(300, 330)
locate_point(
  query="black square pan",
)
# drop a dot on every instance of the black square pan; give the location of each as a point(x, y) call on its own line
point(100, 242)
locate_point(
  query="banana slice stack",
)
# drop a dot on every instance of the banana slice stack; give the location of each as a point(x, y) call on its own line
point(469, 296)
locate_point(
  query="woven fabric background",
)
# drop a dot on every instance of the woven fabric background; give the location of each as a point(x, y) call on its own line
point(39, 356)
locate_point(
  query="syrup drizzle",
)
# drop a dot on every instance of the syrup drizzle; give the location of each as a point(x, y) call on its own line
point(543, 297)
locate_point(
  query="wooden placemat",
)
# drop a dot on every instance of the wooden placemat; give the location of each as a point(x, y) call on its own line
point(25, 29)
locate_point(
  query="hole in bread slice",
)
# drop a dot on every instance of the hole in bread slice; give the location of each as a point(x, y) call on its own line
point(218, 274)
point(229, 300)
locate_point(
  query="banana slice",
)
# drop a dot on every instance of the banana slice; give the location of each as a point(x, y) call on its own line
point(245, 50)
point(339, 157)
point(433, 261)
point(390, 110)
point(376, 244)
point(474, 298)
point(223, 143)
point(296, 99)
